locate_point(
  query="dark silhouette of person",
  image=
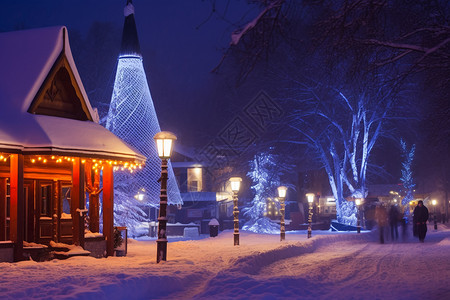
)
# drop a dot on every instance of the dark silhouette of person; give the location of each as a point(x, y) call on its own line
point(394, 216)
point(382, 218)
point(420, 218)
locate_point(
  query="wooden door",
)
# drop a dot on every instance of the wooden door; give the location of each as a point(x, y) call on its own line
point(44, 209)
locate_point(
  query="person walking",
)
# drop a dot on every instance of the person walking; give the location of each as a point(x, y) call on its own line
point(420, 218)
point(394, 216)
point(381, 217)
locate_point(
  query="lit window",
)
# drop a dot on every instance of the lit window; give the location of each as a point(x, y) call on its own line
point(194, 178)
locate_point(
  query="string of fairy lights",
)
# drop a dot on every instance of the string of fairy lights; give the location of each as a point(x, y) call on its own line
point(97, 164)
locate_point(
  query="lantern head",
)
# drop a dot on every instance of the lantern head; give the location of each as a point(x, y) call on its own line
point(235, 183)
point(164, 143)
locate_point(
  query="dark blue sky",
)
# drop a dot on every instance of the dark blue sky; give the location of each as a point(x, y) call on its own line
point(178, 55)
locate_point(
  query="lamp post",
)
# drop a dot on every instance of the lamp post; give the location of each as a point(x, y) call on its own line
point(282, 195)
point(310, 197)
point(140, 195)
point(164, 144)
point(235, 185)
point(434, 202)
point(358, 216)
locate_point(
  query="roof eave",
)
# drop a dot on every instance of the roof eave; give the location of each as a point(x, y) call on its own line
point(14, 149)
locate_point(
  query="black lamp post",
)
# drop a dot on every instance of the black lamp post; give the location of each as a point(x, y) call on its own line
point(310, 197)
point(358, 216)
point(282, 195)
point(235, 183)
point(434, 202)
point(164, 144)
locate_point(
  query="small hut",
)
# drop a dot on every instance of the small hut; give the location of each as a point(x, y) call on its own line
point(52, 149)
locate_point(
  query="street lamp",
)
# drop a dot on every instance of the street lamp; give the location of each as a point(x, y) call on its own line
point(235, 183)
point(140, 195)
point(164, 143)
point(434, 202)
point(358, 220)
point(282, 195)
point(310, 197)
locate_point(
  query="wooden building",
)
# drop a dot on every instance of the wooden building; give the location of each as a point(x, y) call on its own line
point(52, 149)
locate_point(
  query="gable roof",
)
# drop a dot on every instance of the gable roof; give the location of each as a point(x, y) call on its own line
point(27, 59)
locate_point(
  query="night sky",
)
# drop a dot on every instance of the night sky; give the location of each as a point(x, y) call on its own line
point(179, 40)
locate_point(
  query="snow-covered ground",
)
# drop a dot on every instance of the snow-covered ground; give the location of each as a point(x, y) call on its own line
point(327, 266)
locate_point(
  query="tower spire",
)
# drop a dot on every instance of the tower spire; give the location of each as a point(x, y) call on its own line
point(130, 41)
point(132, 117)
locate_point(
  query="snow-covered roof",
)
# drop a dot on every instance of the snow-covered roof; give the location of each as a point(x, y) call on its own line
point(26, 59)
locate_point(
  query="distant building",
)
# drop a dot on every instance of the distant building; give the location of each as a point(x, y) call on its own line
point(392, 194)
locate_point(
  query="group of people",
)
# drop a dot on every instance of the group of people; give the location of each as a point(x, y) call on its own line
point(394, 216)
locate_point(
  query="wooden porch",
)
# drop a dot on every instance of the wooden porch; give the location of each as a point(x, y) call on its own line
point(42, 199)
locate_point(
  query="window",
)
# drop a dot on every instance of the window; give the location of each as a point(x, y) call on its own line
point(45, 200)
point(65, 198)
point(194, 179)
point(193, 186)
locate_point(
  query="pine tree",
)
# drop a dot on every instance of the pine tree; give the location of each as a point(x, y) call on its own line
point(407, 174)
point(265, 175)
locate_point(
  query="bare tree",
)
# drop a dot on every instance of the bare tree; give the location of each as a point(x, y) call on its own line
point(342, 127)
point(254, 41)
point(415, 34)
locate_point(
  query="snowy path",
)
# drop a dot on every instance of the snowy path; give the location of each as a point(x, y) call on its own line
point(368, 270)
point(355, 269)
point(328, 266)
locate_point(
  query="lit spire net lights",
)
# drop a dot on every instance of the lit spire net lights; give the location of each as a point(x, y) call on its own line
point(132, 117)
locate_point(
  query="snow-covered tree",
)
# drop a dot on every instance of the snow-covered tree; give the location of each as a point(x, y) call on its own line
point(407, 174)
point(265, 172)
point(342, 131)
point(128, 211)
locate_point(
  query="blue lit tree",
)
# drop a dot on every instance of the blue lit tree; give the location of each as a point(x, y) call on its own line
point(128, 211)
point(342, 131)
point(265, 172)
point(407, 174)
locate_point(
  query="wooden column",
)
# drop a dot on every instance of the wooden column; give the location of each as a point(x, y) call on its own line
point(56, 211)
point(108, 208)
point(77, 202)
point(2, 209)
point(17, 205)
point(37, 211)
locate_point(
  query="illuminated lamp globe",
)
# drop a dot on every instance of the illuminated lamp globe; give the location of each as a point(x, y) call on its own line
point(358, 201)
point(282, 191)
point(140, 195)
point(433, 202)
point(310, 197)
point(164, 143)
point(235, 183)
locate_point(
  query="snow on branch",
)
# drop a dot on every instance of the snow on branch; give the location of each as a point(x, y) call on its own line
point(396, 45)
point(237, 35)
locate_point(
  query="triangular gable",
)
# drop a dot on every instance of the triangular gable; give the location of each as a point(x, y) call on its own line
point(60, 95)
